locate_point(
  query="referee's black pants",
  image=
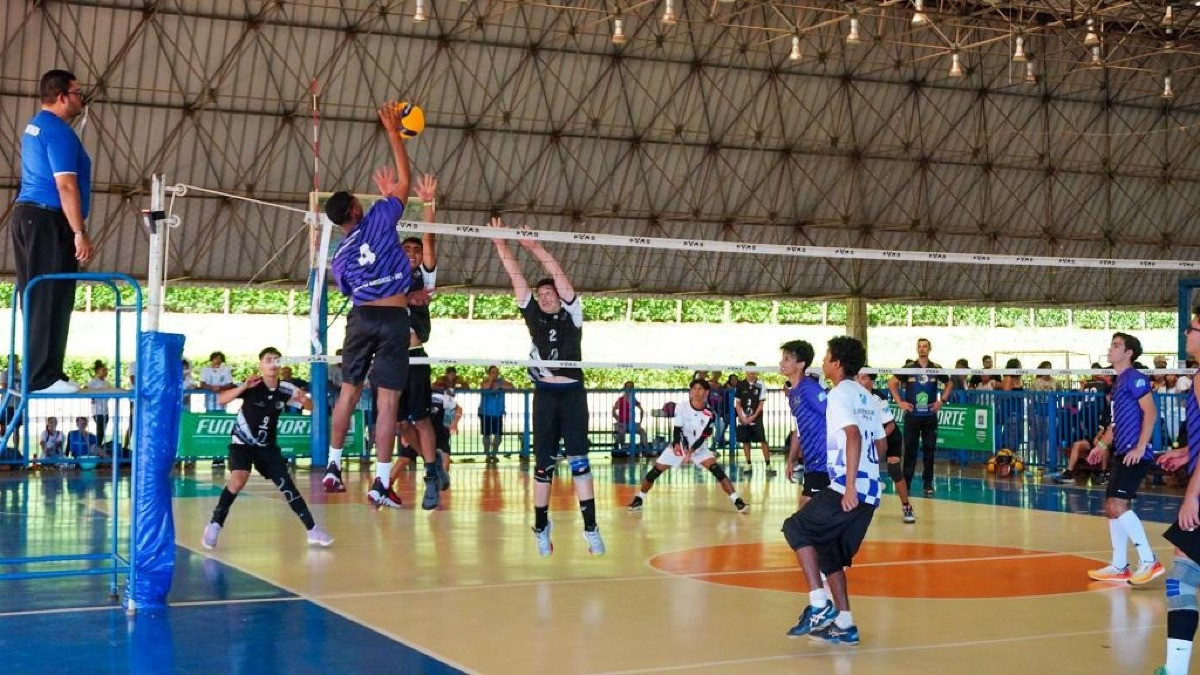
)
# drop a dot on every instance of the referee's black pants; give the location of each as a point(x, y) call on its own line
point(919, 431)
point(44, 244)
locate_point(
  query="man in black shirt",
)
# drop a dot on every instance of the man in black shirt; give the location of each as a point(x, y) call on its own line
point(748, 403)
point(555, 322)
point(264, 396)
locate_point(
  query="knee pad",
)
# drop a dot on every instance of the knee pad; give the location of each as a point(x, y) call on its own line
point(653, 474)
point(580, 466)
point(545, 474)
point(895, 471)
point(717, 472)
point(1182, 582)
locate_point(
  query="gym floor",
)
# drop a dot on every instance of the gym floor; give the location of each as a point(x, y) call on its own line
point(990, 579)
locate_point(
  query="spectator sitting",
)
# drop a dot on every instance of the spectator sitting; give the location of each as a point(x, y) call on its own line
point(285, 375)
point(626, 421)
point(216, 377)
point(81, 443)
point(52, 441)
point(1078, 455)
point(985, 382)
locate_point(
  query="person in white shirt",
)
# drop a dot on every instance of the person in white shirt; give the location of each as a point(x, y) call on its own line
point(99, 405)
point(52, 441)
point(216, 377)
point(828, 531)
point(694, 423)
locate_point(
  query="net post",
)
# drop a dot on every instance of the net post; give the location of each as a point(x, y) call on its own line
point(319, 376)
point(154, 221)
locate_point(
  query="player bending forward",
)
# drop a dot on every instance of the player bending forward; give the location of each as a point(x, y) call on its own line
point(693, 428)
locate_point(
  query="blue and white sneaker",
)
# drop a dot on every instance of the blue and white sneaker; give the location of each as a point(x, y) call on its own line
point(814, 619)
point(545, 546)
point(835, 635)
point(595, 541)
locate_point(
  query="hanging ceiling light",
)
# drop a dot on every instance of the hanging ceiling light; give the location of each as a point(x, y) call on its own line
point(956, 69)
point(853, 37)
point(618, 35)
point(1169, 18)
point(1167, 93)
point(919, 16)
point(1019, 50)
point(1030, 72)
point(1097, 59)
point(419, 14)
point(795, 54)
point(1091, 39)
point(668, 17)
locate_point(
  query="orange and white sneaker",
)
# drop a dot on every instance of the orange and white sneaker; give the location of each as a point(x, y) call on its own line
point(1147, 572)
point(1110, 573)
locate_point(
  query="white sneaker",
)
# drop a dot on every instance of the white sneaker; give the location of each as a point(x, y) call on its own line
point(211, 532)
point(544, 545)
point(595, 541)
point(319, 537)
point(60, 387)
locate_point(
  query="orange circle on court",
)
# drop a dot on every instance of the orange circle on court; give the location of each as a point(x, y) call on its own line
point(896, 569)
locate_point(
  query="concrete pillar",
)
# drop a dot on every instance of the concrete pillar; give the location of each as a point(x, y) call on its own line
point(856, 319)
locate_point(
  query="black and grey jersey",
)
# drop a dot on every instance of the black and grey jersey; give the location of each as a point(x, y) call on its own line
point(418, 315)
point(556, 337)
point(258, 419)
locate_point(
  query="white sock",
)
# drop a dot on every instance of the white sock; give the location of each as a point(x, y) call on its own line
point(844, 620)
point(1119, 536)
point(641, 495)
point(335, 456)
point(1133, 527)
point(383, 471)
point(734, 496)
point(818, 597)
point(1179, 652)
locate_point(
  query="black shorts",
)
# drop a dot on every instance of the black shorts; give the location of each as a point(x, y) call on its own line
point(752, 433)
point(493, 425)
point(834, 533)
point(559, 414)
point(1188, 542)
point(417, 397)
point(407, 452)
point(895, 444)
point(814, 482)
point(268, 460)
point(1125, 480)
point(441, 437)
point(376, 342)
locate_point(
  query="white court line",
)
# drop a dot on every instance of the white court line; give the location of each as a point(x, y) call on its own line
point(877, 650)
point(188, 603)
point(62, 610)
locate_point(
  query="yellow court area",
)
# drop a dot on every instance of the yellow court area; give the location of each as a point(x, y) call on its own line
point(689, 585)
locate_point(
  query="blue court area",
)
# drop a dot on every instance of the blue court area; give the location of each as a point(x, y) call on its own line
point(221, 620)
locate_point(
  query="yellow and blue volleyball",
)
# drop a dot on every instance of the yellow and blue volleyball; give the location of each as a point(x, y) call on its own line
point(412, 119)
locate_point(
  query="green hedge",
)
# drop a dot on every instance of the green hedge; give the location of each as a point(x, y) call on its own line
point(1089, 318)
point(1161, 320)
point(1012, 317)
point(804, 313)
point(496, 307)
point(930, 315)
point(603, 308)
point(973, 316)
point(703, 311)
point(886, 315)
point(649, 309)
point(1050, 318)
point(1120, 320)
point(450, 306)
point(750, 311)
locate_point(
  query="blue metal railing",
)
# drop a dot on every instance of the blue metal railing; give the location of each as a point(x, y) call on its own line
point(117, 563)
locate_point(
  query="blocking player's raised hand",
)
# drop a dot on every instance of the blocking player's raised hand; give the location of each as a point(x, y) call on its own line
point(427, 187)
point(385, 179)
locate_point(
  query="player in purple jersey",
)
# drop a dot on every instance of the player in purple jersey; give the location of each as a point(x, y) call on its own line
point(372, 269)
point(1133, 418)
point(1184, 577)
point(806, 400)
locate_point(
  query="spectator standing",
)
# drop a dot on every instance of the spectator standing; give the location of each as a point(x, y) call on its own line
point(920, 403)
point(49, 225)
point(286, 375)
point(216, 377)
point(10, 410)
point(491, 411)
point(627, 414)
point(99, 405)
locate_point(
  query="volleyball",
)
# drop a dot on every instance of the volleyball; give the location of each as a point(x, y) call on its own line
point(412, 119)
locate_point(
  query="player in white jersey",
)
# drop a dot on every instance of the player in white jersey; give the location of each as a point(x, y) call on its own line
point(694, 423)
point(828, 531)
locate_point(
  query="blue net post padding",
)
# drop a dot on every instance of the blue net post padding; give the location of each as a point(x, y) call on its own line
point(159, 391)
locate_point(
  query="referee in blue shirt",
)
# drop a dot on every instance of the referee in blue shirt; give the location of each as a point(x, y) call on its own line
point(49, 225)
